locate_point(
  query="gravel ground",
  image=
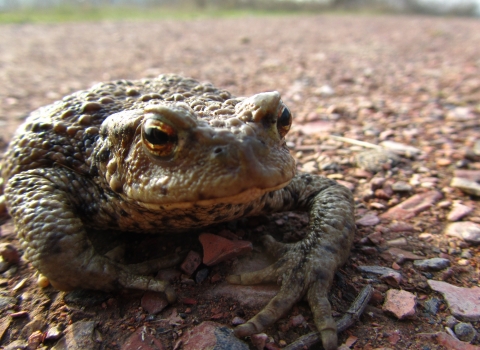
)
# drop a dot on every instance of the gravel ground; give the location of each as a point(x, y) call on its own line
point(414, 81)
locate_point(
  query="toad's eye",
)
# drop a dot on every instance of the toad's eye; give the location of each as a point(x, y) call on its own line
point(284, 121)
point(159, 138)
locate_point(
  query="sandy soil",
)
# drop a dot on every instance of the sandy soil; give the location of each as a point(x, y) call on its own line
point(368, 78)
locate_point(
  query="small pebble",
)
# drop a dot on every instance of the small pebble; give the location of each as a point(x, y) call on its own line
point(42, 281)
point(401, 186)
point(465, 332)
point(237, 321)
point(451, 321)
point(425, 236)
point(53, 333)
point(432, 305)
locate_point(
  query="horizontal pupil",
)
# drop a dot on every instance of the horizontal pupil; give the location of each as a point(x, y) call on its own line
point(157, 136)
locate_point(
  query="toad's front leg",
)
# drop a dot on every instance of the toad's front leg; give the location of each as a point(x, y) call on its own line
point(47, 206)
point(305, 268)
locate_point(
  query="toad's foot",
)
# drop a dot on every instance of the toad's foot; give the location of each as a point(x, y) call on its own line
point(299, 274)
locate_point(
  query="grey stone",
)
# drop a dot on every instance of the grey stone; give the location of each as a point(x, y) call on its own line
point(16, 345)
point(466, 230)
point(434, 264)
point(7, 302)
point(401, 186)
point(465, 332)
point(466, 186)
point(78, 336)
point(432, 305)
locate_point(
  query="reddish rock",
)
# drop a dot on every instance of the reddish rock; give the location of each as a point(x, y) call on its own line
point(189, 301)
point(35, 339)
point(211, 335)
point(376, 238)
point(448, 341)
point(217, 249)
point(459, 211)
point(142, 340)
point(9, 253)
point(154, 302)
point(169, 275)
point(384, 193)
point(400, 255)
point(237, 321)
point(297, 320)
point(394, 337)
point(350, 341)
point(412, 206)
point(191, 262)
point(463, 302)
point(259, 340)
point(400, 303)
point(349, 185)
point(472, 175)
point(368, 220)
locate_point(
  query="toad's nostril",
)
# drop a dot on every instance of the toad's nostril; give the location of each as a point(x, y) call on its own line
point(218, 150)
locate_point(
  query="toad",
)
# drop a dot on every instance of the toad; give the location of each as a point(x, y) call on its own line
point(169, 154)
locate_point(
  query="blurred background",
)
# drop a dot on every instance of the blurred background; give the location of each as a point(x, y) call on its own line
point(54, 10)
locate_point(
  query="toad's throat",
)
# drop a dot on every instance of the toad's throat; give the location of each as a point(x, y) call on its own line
point(241, 198)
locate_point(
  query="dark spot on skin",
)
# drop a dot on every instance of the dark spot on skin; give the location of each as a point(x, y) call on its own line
point(123, 213)
point(277, 304)
point(16, 154)
point(193, 218)
point(248, 209)
point(330, 249)
point(103, 156)
point(77, 163)
point(164, 190)
point(311, 197)
point(264, 319)
point(177, 217)
point(165, 221)
point(321, 275)
point(94, 170)
point(51, 243)
point(221, 217)
point(271, 194)
point(267, 207)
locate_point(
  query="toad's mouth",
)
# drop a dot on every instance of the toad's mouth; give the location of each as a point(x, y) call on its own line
point(241, 198)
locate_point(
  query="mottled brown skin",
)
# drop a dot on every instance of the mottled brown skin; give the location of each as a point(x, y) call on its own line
point(170, 153)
